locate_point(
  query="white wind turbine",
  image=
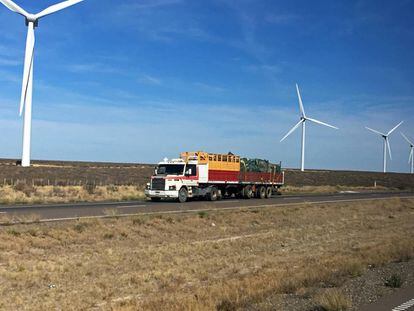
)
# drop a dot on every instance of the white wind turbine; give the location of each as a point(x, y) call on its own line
point(411, 157)
point(27, 85)
point(302, 121)
point(386, 142)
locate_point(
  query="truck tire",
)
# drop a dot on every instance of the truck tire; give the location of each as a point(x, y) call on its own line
point(155, 199)
point(248, 192)
point(261, 192)
point(213, 195)
point(182, 195)
point(269, 191)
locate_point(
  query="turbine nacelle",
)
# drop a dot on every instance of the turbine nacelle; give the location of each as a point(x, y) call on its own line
point(31, 18)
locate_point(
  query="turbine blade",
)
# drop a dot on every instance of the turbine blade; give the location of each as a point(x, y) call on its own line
point(411, 157)
point(376, 132)
point(406, 138)
point(322, 123)
point(292, 130)
point(28, 62)
point(302, 109)
point(57, 7)
point(14, 7)
point(388, 147)
point(397, 126)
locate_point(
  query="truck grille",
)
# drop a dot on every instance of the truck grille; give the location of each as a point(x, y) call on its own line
point(158, 184)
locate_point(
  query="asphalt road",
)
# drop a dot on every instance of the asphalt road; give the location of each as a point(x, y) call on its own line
point(57, 212)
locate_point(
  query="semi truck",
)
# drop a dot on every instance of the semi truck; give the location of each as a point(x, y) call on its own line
point(213, 176)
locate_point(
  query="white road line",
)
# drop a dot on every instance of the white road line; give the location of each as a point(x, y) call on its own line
point(404, 306)
point(224, 202)
point(131, 206)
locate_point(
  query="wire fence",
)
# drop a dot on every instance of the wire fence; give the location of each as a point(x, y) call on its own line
point(66, 182)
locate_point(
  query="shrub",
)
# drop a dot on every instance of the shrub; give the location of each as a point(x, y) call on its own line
point(139, 221)
point(202, 214)
point(58, 192)
point(108, 236)
point(333, 300)
point(112, 188)
point(226, 305)
point(80, 227)
point(26, 189)
point(353, 269)
point(394, 281)
point(13, 232)
point(289, 286)
point(90, 188)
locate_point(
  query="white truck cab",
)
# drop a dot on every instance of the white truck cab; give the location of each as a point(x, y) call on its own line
point(176, 179)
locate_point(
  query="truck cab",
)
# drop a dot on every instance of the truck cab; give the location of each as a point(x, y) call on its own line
point(174, 179)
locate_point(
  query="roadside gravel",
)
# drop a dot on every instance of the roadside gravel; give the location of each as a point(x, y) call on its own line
point(361, 291)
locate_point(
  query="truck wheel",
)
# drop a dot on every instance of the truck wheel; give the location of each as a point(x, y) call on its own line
point(269, 192)
point(248, 192)
point(182, 195)
point(213, 194)
point(261, 193)
point(155, 199)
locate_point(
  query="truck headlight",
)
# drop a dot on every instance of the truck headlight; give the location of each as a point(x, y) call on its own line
point(173, 187)
point(148, 186)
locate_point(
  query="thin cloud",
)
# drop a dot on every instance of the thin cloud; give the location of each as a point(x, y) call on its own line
point(208, 87)
point(150, 4)
point(9, 77)
point(147, 79)
point(91, 67)
point(9, 62)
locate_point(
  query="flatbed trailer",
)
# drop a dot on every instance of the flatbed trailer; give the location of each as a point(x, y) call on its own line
point(212, 176)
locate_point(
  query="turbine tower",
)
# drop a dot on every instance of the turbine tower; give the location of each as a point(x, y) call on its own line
point(411, 157)
point(302, 121)
point(386, 142)
point(32, 21)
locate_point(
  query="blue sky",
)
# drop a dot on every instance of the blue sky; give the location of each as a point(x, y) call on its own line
point(138, 80)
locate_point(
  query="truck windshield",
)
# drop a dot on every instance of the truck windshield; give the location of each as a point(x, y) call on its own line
point(170, 169)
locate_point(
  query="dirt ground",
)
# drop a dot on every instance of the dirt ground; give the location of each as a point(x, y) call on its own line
point(224, 260)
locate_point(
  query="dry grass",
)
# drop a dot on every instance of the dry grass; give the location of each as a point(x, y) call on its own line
point(187, 263)
point(22, 193)
point(333, 300)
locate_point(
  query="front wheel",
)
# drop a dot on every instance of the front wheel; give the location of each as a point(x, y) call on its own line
point(182, 195)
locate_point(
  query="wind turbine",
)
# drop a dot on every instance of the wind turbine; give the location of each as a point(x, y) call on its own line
point(386, 142)
point(411, 157)
point(32, 21)
point(302, 121)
